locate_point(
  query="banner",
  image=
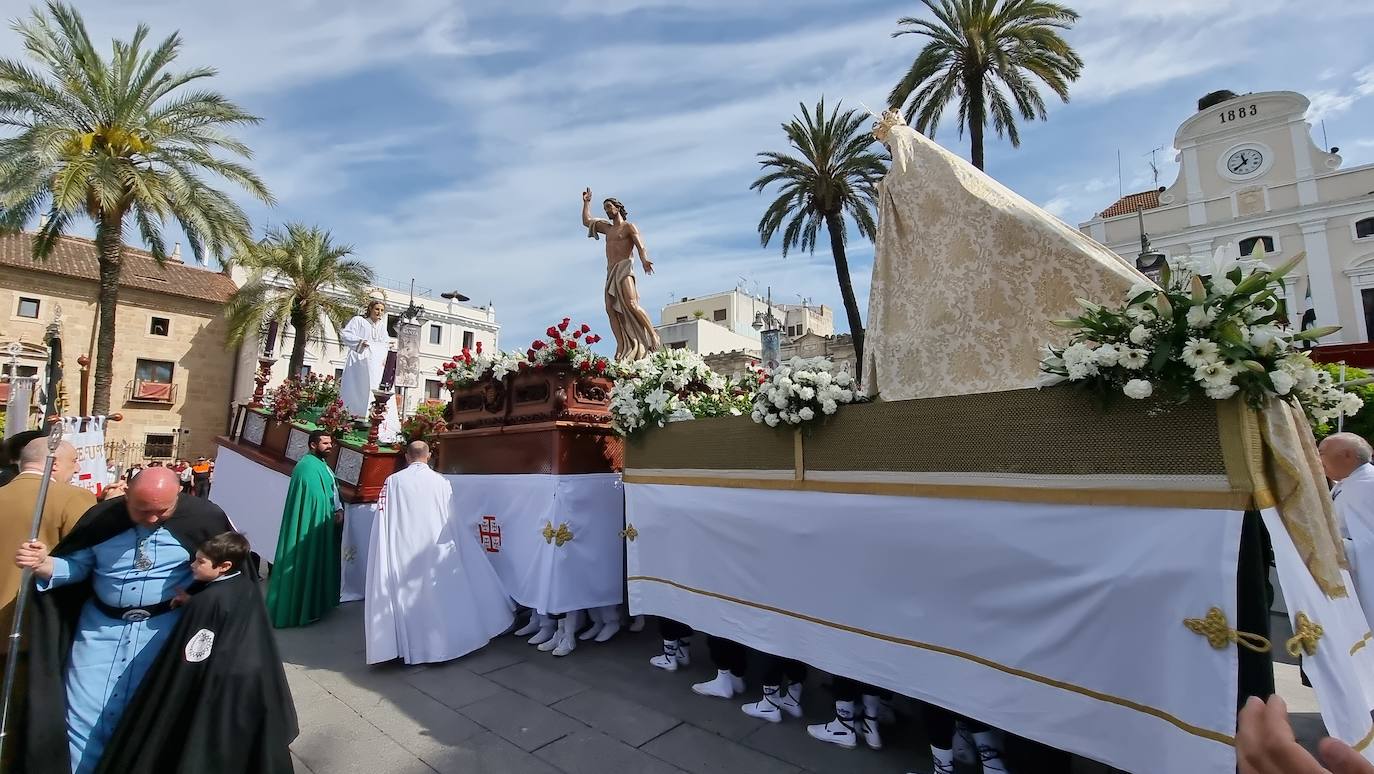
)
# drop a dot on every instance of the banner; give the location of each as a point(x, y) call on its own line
point(92, 471)
point(17, 407)
point(407, 355)
point(554, 540)
point(1060, 623)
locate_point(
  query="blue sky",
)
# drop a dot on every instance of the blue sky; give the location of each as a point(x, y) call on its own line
point(449, 141)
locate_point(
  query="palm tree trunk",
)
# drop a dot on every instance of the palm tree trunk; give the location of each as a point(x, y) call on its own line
point(977, 116)
point(298, 342)
point(109, 242)
point(835, 226)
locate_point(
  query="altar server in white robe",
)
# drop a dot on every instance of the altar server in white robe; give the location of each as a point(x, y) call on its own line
point(366, 343)
point(1346, 456)
point(431, 593)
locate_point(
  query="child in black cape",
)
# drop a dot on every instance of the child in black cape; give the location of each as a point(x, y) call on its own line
point(216, 701)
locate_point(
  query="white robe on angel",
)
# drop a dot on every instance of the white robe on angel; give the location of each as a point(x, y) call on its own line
point(1354, 499)
point(431, 593)
point(363, 366)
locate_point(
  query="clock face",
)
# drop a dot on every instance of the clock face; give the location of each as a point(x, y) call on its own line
point(1245, 162)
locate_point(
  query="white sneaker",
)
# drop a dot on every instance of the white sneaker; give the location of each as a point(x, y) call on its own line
point(867, 729)
point(839, 731)
point(610, 623)
point(546, 631)
point(530, 627)
point(567, 643)
point(722, 686)
point(595, 628)
point(789, 701)
point(554, 639)
point(668, 660)
point(766, 708)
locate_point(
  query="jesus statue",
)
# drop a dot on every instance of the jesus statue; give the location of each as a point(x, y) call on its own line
point(634, 332)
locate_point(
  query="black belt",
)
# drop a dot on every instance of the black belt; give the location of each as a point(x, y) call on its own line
point(132, 614)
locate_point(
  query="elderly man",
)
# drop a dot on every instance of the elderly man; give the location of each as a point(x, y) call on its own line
point(1345, 457)
point(431, 593)
point(63, 507)
point(103, 613)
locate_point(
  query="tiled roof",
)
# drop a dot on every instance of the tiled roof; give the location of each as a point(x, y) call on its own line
point(1129, 203)
point(76, 257)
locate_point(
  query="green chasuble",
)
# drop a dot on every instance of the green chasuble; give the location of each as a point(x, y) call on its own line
point(304, 584)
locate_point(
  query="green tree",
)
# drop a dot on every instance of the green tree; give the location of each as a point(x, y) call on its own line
point(985, 53)
point(297, 275)
point(836, 175)
point(119, 141)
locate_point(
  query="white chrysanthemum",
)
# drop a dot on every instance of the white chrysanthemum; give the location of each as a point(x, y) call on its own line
point(829, 407)
point(806, 414)
point(1201, 317)
point(1133, 359)
point(843, 379)
point(1199, 352)
point(1138, 389)
point(846, 396)
point(1107, 355)
point(1140, 334)
point(1351, 404)
point(806, 393)
point(824, 378)
point(1283, 382)
point(1222, 392)
point(771, 420)
point(1214, 374)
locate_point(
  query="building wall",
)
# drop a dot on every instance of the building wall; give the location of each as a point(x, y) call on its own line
point(202, 370)
point(738, 310)
point(1300, 196)
point(704, 337)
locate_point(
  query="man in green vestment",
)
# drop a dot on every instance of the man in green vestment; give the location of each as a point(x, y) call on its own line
point(304, 583)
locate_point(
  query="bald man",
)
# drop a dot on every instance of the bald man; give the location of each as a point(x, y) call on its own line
point(63, 507)
point(1345, 457)
point(103, 612)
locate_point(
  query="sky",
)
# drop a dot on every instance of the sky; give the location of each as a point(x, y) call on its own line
point(449, 140)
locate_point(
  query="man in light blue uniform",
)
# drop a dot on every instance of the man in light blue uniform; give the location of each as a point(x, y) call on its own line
point(134, 573)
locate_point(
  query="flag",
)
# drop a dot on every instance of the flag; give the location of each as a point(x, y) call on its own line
point(1309, 315)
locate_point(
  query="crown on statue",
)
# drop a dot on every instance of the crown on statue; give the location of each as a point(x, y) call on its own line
point(376, 294)
point(891, 117)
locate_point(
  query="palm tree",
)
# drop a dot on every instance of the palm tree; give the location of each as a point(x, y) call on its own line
point(121, 142)
point(299, 276)
point(984, 51)
point(836, 175)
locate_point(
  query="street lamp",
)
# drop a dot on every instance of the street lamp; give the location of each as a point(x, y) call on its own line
point(770, 338)
point(1150, 262)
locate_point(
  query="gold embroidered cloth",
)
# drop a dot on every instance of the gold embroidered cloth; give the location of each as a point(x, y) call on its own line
point(967, 276)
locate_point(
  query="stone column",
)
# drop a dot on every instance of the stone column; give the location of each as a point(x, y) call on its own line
point(1319, 277)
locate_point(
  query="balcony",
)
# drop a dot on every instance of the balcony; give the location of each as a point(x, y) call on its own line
point(140, 391)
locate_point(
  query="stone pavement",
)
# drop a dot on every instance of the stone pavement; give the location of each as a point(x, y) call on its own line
point(509, 709)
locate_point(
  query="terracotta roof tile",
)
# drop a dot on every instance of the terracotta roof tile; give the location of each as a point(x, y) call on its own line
point(1128, 204)
point(76, 257)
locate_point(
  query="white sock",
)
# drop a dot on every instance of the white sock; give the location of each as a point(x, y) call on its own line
point(871, 707)
point(944, 759)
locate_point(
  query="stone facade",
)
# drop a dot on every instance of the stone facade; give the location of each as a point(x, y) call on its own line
point(1250, 172)
point(182, 326)
point(840, 349)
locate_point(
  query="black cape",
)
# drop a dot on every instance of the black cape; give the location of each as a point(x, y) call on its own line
point(225, 711)
point(55, 615)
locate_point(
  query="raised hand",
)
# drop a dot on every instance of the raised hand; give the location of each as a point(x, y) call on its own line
point(586, 196)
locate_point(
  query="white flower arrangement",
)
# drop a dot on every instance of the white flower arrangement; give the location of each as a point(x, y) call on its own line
point(800, 390)
point(668, 385)
point(1215, 329)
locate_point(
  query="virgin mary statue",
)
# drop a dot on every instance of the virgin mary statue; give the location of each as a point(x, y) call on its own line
point(366, 343)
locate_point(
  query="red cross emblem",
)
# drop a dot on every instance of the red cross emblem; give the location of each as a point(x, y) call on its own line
point(489, 534)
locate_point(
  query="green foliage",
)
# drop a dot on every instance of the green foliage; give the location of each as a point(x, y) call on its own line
point(1362, 424)
point(984, 54)
point(297, 275)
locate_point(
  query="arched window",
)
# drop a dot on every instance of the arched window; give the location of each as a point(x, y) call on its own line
point(1364, 228)
point(1247, 246)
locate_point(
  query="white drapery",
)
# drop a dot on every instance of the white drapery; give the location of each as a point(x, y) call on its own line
point(510, 514)
point(1063, 624)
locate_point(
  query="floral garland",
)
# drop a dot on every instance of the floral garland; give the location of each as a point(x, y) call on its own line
point(1213, 329)
point(800, 390)
point(672, 384)
point(284, 400)
point(336, 420)
point(560, 346)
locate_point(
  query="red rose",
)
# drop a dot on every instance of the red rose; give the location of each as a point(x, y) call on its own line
point(522, 365)
point(584, 366)
point(552, 331)
point(479, 347)
point(586, 328)
point(538, 345)
point(563, 326)
point(601, 366)
point(529, 353)
point(577, 334)
point(570, 344)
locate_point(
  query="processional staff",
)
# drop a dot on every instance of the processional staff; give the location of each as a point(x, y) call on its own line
point(25, 582)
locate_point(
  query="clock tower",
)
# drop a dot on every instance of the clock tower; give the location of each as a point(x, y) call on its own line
point(1250, 175)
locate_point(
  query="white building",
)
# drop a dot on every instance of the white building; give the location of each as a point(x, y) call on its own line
point(736, 311)
point(446, 328)
point(704, 337)
point(1250, 173)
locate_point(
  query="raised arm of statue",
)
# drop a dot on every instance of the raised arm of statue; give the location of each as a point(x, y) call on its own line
point(595, 226)
point(638, 241)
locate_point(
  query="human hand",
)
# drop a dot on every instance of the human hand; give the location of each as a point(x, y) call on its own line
point(33, 555)
point(180, 599)
point(339, 517)
point(362, 345)
point(648, 265)
point(587, 196)
point(1265, 745)
point(116, 489)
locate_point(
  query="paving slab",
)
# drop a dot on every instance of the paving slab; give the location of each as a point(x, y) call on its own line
point(538, 682)
point(788, 741)
point(452, 685)
point(701, 752)
point(621, 718)
point(588, 752)
point(485, 753)
point(520, 720)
